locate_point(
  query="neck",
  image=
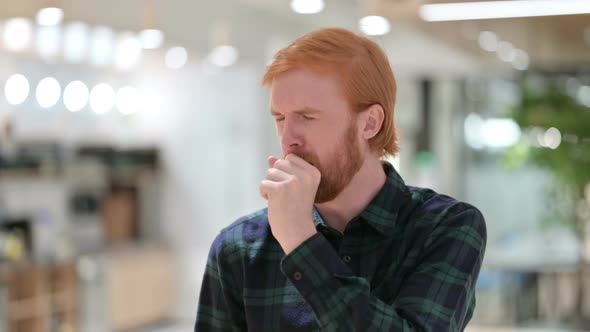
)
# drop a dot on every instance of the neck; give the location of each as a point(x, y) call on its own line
point(356, 196)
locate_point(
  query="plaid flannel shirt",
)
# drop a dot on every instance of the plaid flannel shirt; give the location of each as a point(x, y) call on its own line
point(408, 262)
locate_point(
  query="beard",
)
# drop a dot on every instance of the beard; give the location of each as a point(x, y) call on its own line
point(338, 170)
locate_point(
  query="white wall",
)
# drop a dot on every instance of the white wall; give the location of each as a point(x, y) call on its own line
point(213, 128)
point(215, 155)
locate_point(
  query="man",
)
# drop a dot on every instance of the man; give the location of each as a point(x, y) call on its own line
point(344, 244)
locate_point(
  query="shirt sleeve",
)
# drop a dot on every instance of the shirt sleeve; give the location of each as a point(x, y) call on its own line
point(437, 296)
point(219, 307)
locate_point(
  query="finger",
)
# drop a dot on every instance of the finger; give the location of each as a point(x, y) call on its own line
point(302, 164)
point(286, 166)
point(277, 175)
point(307, 168)
point(263, 192)
point(267, 187)
point(297, 160)
point(271, 161)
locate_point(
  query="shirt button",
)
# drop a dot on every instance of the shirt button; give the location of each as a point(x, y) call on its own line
point(346, 258)
point(297, 275)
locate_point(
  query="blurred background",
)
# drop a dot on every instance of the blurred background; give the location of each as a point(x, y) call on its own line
point(132, 131)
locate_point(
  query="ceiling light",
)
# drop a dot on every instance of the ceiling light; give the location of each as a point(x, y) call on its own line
point(50, 16)
point(501, 9)
point(494, 133)
point(500, 132)
point(223, 56)
point(488, 41)
point(521, 60)
point(101, 46)
point(75, 41)
point(151, 38)
point(16, 89)
point(48, 92)
point(102, 98)
point(473, 131)
point(18, 33)
point(552, 138)
point(374, 25)
point(128, 51)
point(48, 41)
point(176, 57)
point(505, 51)
point(307, 6)
point(75, 96)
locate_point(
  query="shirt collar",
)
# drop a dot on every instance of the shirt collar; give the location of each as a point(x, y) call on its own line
point(382, 212)
point(317, 219)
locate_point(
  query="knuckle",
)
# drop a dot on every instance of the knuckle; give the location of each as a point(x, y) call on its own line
point(316, 173)
point(279, 163)
point(291, 182)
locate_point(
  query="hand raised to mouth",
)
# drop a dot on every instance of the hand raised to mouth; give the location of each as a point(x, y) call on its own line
point(290, 186)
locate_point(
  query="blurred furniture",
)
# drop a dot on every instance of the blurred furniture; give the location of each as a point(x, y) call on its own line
point(140, 286)
point(40, 298)
point(119, 189)
point(89, 196)
point(509, 297)
point(119, 215)
point(126, 288)
point(530, 278)
point(559, 291)
point(96, 207)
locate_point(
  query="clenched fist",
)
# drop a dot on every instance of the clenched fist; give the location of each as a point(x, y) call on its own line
point(290, 187)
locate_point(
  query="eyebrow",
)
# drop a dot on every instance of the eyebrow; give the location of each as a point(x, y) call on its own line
point(306, 110)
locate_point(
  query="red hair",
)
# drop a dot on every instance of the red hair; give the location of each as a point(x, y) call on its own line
point(360, 63)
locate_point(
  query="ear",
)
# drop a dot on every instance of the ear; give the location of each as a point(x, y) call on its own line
point(372, 121)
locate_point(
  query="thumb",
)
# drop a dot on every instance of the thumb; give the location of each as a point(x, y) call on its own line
point(272, 160)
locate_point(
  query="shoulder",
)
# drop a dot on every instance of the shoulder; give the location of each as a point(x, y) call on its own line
point(444, 215)
point(247, 232)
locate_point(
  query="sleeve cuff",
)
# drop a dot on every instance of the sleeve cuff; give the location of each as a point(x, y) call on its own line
point(313, 263)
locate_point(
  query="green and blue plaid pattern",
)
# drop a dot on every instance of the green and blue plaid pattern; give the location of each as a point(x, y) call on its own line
point(408, 262)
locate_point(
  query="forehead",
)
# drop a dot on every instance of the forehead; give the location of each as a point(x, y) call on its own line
point(301, 88)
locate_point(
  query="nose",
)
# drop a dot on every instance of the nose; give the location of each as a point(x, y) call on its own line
point(290, 135)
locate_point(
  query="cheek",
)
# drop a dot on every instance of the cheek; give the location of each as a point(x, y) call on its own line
point(324, 149)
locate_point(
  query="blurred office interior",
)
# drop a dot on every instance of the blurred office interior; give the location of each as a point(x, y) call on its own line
point(132, 131)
